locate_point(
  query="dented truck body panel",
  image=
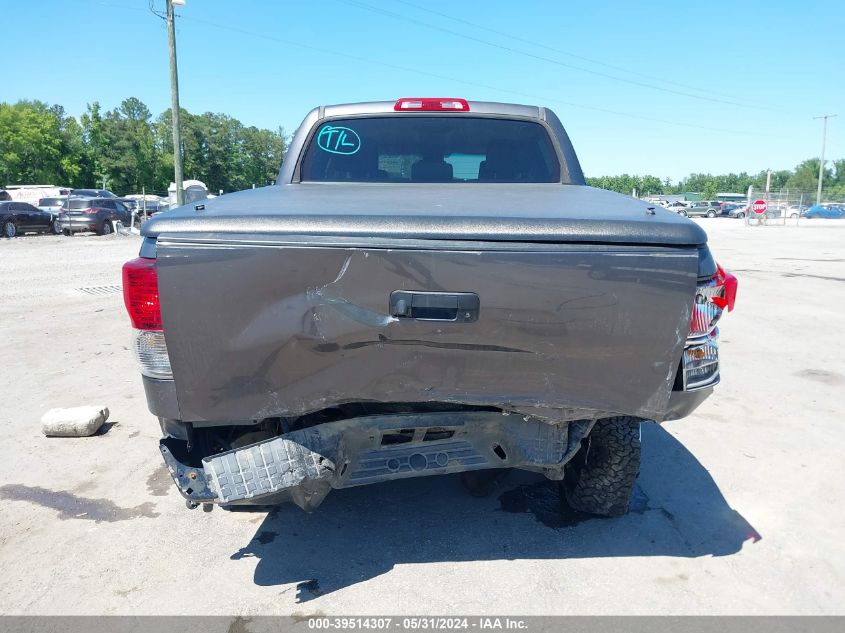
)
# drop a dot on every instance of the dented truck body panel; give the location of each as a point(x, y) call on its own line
point(331, 334)
point(263, 331)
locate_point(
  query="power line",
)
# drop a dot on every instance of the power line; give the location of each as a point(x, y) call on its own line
point(509, 49)
point(377, 62)
point(553, 49)
point(540, 98)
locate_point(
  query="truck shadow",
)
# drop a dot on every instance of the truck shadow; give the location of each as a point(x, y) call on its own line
point(361, 533)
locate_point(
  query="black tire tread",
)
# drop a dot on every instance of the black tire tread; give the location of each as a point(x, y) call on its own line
point(603, 485)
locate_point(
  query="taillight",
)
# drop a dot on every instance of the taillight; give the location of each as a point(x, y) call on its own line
point(700, 360)
point(151, 353)
point(430, 104)
point(711, 298)
point(90, 211)
point(140, 293)
point(730, 285)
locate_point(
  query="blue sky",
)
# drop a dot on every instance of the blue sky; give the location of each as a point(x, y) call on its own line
point(665, 88)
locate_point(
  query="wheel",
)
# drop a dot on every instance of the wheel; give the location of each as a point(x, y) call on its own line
point(9, 229)
point(683, 213)
point(740, 215)
point(600, 478)
point(794, 216)
point(54, 228)
point(66, 232)
point(711, 214)
point(106, 229)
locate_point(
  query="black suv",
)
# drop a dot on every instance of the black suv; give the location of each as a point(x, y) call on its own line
point(92, 214)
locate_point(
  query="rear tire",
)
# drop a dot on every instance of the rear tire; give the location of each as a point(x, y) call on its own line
point(54, 228)
point(683, 213)
point(9, 229)
point(711, 214)
point(740, 215)
point(601, 477)
point(106, 229)
point(66, 232)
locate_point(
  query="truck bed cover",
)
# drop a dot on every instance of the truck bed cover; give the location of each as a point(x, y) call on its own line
point(459, 211)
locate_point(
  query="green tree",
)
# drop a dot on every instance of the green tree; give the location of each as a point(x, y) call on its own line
point(709, 189)
point(31, 144)
point(92, 136)
point(806, 176)
point(127, 155)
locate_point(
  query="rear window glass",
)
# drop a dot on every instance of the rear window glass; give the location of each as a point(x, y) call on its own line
point(430, 149)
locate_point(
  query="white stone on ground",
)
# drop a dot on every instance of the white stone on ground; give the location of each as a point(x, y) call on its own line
point(73, 422)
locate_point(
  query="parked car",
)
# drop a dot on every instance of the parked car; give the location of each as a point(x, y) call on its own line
point(53, 206)
point(795, 211)
point(17, 218)
point(704, 208)
point(428, 319)
point(727, 207)
point(154, 208)
point(92, 193)
point(92, 214)
point(828, 211)
point(132, 205)
point(740, 211)
point(129, 203)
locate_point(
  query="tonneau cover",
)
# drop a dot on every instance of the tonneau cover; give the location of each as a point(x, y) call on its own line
point(465, 211)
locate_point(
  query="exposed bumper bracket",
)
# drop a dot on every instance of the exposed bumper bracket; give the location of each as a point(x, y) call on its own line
point(191, 482)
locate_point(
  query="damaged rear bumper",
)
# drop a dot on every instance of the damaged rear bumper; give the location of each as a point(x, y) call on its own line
point(303, 466)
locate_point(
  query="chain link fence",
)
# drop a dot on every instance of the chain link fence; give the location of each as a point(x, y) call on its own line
point(785, 207)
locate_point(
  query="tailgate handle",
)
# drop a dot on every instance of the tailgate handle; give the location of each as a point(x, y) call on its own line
point(434, 306)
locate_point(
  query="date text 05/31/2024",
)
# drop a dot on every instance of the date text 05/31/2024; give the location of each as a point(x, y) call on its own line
point(430, 623)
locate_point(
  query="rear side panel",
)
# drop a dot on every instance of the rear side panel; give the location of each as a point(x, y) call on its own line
point(280, 328)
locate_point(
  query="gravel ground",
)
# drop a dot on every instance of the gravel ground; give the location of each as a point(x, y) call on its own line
point(738, 509)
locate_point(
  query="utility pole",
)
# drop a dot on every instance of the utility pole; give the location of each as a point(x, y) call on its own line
point(824, 117)
point(174, 102)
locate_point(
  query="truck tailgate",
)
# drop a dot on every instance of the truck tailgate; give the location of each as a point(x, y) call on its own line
point(283, 326)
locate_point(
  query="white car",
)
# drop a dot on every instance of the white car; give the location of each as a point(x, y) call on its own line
point(53, 206)
point(796, 210)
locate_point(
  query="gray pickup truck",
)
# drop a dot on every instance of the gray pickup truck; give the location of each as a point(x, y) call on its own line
point(429, 287)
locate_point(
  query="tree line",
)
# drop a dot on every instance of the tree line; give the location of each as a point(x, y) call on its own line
point(131, 150)
point(804, 178)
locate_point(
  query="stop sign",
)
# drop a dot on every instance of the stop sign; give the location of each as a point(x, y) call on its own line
point(759, 206)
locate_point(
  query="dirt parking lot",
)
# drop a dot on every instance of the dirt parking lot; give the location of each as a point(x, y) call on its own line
point(739, 508)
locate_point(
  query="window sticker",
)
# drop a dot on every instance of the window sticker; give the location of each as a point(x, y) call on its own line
point(338, 140)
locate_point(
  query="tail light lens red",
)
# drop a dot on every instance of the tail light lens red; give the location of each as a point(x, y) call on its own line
point(730, 285)
point(90, 211)
point(711, 299)
point(140, 293)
